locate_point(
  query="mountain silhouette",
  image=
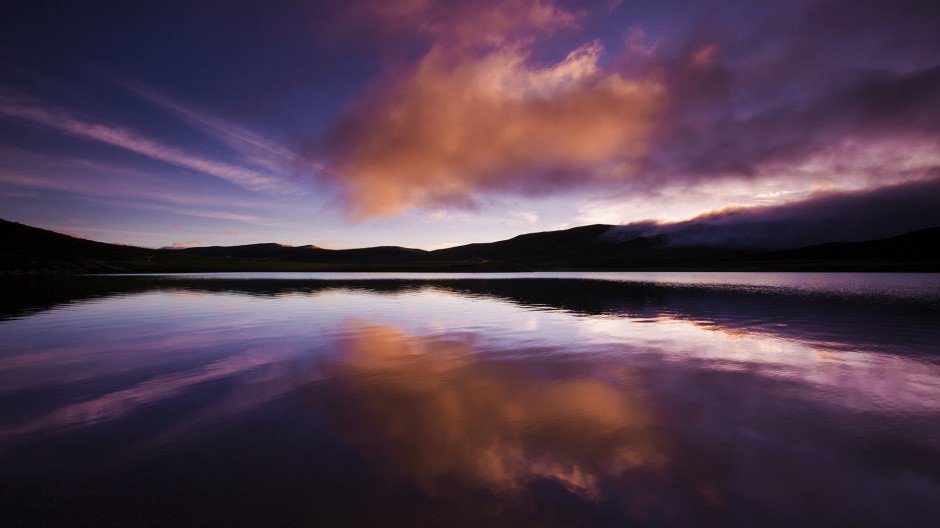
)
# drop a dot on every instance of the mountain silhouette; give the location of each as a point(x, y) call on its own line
point(33, 250)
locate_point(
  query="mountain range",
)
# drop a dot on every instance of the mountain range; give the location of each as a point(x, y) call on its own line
point(594, 247)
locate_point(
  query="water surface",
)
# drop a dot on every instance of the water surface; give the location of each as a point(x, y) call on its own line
point(479, 400)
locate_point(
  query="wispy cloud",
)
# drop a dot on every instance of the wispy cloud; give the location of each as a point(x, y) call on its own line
point(214, 214)
point(45, 114)
point(184, 245)
point(113, 187)
point(78, 229)
point(252, 147)
point(118, 404)
point(525, 216)
point(117, 185)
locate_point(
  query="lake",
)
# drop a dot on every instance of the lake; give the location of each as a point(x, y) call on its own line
point(543, 399)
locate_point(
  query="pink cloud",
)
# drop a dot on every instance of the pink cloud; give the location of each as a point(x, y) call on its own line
point(477, 114)
point(183, 245)
point(704, 56)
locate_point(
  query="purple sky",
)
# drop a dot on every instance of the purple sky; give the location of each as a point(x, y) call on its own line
point(427, 124)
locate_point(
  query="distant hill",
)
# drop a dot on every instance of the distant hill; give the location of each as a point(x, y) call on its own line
point(30, 250)
point(373, 255)
point(587, 247)
point(917, 250)
point(579, 247)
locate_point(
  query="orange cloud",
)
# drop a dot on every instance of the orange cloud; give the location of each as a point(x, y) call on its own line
point(705, 56)
point(184, 245)
point(476, 113)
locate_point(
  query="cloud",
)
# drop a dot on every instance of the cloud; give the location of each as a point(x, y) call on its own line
point(477, 113)
point(115, 185)
point(704, 57)
point(215, 214)
point(183, 245)
point(845, 165)
point(790, 83)
point(822, 217)
point(35, 112)
point(454, 23)
point(526, 216)
point(30, 170)
point(736, 93)
point(254, 149)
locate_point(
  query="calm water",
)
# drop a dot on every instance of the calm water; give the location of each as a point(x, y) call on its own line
point(623, 399)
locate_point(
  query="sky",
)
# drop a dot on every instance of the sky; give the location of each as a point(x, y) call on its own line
point(429, 123)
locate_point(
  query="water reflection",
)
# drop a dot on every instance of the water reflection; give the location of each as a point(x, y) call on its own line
point(466, 402)
point(436, 411)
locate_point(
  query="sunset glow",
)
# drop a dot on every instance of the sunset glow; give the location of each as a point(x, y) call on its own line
point(433, 123)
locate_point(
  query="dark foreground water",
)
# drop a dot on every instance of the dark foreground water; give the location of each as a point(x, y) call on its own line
point(539, 400)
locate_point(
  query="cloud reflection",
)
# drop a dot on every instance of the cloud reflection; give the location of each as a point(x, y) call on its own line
point(439, 413)
point(120, 404)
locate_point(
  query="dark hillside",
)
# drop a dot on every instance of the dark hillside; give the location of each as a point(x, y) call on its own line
point(31, 250)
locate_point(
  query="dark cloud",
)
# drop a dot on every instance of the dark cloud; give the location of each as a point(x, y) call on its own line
point(792, 82)
point(825, 217)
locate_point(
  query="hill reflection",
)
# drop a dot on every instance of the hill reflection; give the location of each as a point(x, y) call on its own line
point(828, 318)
